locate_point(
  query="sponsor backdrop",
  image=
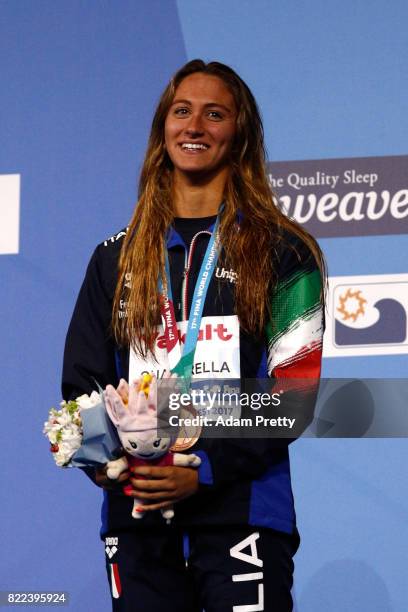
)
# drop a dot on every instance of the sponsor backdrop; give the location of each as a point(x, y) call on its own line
point(80, 81)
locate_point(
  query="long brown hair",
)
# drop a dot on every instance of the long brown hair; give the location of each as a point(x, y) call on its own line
point(247, 190)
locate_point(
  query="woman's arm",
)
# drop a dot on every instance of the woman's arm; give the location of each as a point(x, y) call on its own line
point(294, 351)
point(89, 355)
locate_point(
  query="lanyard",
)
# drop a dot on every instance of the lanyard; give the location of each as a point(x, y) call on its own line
point(181, 360)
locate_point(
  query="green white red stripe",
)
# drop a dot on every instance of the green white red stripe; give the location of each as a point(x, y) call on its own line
point(296, 329)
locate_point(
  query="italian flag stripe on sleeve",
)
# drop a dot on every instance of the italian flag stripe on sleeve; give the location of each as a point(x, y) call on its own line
point(295, 332)
point(115, 580)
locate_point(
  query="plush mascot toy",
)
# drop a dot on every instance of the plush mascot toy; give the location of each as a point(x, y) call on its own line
point(133, 411)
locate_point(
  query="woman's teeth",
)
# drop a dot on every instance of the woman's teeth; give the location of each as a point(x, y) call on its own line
point(190, 146)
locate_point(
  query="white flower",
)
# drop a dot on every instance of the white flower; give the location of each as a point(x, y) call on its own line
point(63, 419)
point(64, 454)
point(52, 436)
point(86, 401)
point(64, 427)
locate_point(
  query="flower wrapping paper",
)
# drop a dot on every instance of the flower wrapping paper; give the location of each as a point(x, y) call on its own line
point(100, 442)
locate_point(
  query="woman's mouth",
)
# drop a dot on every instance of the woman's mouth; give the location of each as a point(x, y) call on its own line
point(191, 147)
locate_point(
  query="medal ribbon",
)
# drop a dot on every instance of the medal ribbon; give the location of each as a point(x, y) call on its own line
point(181, 361)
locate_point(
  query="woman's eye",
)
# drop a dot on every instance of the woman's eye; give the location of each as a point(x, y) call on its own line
point(181, 111)
point(214, 115)
point(156, 443)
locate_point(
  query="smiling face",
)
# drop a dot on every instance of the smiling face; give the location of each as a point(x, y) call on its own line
point(200, 126)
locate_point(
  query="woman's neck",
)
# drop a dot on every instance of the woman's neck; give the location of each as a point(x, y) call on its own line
point(195, 198)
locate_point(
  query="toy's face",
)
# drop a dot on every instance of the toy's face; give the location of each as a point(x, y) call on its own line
point(145, 445)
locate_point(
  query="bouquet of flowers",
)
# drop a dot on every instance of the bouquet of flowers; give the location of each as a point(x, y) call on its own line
point(81, 433)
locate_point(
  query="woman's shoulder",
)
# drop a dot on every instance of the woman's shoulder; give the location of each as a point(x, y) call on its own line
point(103, 266)
point(295, 252)
point(112, 244)
point(109, 250)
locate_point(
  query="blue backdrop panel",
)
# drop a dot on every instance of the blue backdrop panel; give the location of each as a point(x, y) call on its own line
point(329, 79)
point(327, 76)
point(79, 84)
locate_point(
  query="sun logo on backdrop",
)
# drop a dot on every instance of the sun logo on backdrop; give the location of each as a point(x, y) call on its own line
point(351, 305)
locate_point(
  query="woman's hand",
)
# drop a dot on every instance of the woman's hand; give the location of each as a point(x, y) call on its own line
point(102, 480)
point(163, 486)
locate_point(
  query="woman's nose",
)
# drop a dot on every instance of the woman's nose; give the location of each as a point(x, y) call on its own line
point(194, 126)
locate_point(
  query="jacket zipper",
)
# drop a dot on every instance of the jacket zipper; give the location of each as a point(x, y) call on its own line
point(187, 266)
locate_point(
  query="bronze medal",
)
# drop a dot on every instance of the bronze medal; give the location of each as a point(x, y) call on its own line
point(188, 434)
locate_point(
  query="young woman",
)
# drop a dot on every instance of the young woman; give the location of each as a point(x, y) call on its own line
point(231, 543)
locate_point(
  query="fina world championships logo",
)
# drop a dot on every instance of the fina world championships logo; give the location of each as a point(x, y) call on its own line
point(367, 315)
point(9, 213)
point(344, 197)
